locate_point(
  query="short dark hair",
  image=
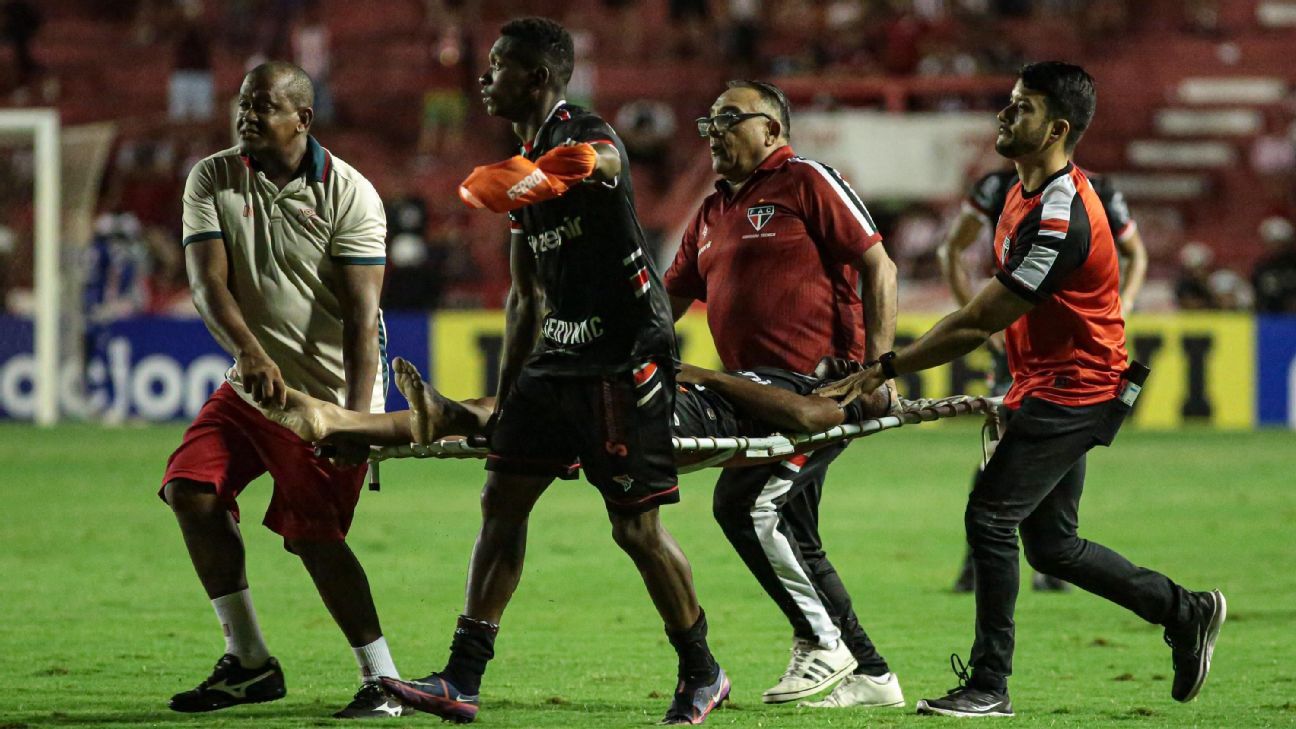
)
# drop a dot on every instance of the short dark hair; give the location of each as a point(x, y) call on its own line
point(300, 90)
point(1069, 93)
point(550, 43)
point(771, 95)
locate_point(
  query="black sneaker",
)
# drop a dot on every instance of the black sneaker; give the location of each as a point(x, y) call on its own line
point(692, 706)
point(1191, 647)
point(371, 702)
point(231, 684)
point(966, 700)
point(434, 695)
point(1041, 582)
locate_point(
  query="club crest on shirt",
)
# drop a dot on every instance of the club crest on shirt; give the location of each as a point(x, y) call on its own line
point(759, 215)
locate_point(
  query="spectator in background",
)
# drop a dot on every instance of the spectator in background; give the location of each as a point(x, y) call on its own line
point(1202, 17)
point(742, 47)
point(310, 43)
point(690, 21)
point(627, 19)
point(116, 265)
point(19, 23)
point(913, 243)
point(191, 94)
point(413, 274)
point(1274, 276)
point(442, 127)
point(647, 128)
point(1230, 289)
point(1193, 289)
point(1273, 157)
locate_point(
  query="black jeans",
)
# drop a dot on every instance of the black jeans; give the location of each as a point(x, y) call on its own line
point(1033, 484)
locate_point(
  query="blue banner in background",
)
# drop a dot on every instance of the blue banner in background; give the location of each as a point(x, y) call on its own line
point(164, 368)
point(151, 368)
point(1276, 370)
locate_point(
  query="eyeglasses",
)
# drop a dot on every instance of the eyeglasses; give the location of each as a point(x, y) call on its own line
point(722, 123)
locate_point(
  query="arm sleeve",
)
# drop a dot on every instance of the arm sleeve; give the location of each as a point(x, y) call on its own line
point(1051, 242)
point(1113, 202)
point(199, 219)
point(683, 278)
point(835, 216)
point(360, 232)
point(593, 130)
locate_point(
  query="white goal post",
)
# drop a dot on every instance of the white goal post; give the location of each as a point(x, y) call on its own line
point(43, 126)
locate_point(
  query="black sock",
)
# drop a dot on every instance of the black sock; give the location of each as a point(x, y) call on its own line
point(472, 648)
point(697, 667)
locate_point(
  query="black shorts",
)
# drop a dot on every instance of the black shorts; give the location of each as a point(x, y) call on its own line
point(616, 427)
point(700, 413)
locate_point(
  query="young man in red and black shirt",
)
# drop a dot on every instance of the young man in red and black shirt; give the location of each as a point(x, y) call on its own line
point(1056, 292)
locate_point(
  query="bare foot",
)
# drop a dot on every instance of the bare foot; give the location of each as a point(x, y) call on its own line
point(424, 408)
point(303, 415)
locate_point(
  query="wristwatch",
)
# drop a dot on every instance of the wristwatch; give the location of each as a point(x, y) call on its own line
point(887, 363)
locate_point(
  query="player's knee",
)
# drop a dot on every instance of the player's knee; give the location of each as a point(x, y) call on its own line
point(730, 513)
point(1050, 553)
point(985, 526)
point(636, 534)
point(191, 497)
point(501, 504)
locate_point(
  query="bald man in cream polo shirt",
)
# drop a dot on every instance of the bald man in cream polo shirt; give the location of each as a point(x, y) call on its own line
point(284, 245)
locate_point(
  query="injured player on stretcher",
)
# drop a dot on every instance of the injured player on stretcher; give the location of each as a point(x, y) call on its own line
point(708, 404)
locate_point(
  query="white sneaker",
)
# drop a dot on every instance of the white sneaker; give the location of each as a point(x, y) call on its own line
point(858, 689)
point(811, 670)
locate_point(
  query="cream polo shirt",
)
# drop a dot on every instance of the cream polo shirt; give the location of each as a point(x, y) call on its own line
point(286, 248)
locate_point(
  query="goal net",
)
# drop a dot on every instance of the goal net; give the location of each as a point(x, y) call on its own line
point(51, 177)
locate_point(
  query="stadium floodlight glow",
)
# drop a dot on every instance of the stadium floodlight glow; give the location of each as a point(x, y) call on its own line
point(43, 126)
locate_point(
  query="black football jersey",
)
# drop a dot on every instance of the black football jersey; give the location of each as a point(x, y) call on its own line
point(607, 311)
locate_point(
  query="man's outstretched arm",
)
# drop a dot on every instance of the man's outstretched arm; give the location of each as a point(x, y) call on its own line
point(773, 406)
point(990, 311)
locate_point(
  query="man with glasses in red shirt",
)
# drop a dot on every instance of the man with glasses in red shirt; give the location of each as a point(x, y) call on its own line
point(778, 254)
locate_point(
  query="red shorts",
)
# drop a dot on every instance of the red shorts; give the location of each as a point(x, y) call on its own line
point(231, 443)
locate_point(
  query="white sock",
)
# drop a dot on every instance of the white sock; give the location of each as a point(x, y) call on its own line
point(242, 634)
point(375, 660)
point(879, 679)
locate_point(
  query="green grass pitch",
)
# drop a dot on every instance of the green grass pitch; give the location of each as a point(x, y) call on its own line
point(102, 619)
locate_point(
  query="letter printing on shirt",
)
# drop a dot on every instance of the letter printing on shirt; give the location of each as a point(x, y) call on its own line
point(286, 248)
point(607, 310)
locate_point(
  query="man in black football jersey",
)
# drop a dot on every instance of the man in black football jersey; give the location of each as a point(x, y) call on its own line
point(589, 383)
point(980, 210)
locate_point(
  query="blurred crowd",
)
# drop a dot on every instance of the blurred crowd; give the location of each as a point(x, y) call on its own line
point(438, 255)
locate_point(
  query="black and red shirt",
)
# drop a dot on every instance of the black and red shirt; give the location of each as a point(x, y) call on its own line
point(607, 309)
point(774, 263)
point(988, 194)
point(1054, 248)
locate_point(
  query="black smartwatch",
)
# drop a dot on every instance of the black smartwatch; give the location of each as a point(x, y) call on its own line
point(887, 363)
